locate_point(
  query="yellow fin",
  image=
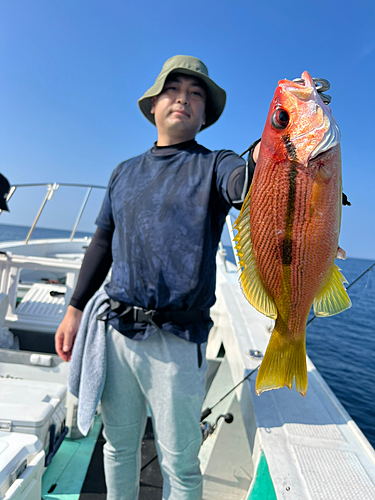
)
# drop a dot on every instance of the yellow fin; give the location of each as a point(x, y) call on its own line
point(284, 361)
point(334, 298)
point(250, 281)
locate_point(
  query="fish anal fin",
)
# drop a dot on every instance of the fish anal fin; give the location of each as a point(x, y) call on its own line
point(283, 363)
point(254, 290)
point(333, 298)
point(251, 283)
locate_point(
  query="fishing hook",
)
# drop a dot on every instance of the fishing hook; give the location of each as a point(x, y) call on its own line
point(321, 85)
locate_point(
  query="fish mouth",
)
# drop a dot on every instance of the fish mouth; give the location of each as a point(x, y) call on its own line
point(332, 136)
point(304, 89)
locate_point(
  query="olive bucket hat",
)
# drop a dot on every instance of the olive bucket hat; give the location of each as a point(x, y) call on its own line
point(191, 66)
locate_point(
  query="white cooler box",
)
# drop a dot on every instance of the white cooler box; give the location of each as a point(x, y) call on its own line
point(44, 367)
point(21, 466)
point(34, 407)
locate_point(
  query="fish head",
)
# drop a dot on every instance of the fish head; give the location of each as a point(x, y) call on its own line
point(299, 125)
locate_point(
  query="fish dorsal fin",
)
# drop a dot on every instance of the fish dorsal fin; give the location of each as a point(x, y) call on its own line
point(250, 281)
point(334, 298)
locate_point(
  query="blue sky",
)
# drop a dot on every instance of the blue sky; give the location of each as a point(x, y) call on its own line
point(72, 71)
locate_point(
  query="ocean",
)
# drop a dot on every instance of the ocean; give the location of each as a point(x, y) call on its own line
point(342, 347)
point(16, 233)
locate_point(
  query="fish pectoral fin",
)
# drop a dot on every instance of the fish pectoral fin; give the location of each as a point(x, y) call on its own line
point(250, 280)
point(334, 298)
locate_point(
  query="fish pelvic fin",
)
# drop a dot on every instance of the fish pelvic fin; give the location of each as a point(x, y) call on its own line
point(250, 280)
point(333, 298)
point(283, 362)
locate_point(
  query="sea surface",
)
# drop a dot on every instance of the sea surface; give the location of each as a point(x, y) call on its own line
point(342, 347)
point(16, 233)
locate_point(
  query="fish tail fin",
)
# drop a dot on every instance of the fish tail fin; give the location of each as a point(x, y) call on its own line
point(283, 362)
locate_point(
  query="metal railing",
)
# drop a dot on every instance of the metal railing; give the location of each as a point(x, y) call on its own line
point(53, 187)
point(222, 251)
point(51, 190)
point(230, 223)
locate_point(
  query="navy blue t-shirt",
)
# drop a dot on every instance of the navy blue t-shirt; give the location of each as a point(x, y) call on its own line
point(166, 209)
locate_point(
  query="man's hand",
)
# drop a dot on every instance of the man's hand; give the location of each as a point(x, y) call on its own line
point(67, 332)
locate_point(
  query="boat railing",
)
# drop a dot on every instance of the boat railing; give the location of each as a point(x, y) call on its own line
point(51, 190)
point(222, 251)
point(229, 224)
point(53, 187)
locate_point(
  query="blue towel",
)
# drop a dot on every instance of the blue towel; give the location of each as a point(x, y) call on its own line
point(88, 365)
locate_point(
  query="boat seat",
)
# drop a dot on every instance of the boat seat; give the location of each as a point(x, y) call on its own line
point(38, 303)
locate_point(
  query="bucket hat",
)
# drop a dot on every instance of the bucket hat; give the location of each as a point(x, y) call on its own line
point(191, 66)
point(4, 190)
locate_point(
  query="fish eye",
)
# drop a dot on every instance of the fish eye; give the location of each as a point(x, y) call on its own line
point(280, 119)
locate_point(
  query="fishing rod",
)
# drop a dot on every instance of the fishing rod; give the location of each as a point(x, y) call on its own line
point(206, 427)
point(205, 413)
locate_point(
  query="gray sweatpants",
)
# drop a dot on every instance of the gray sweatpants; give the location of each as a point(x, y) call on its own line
point(163, 372)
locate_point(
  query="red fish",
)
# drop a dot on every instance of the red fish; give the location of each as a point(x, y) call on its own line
point(288, 228)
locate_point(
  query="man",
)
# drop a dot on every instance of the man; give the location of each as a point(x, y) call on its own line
point(4, 191)
point(159, 227)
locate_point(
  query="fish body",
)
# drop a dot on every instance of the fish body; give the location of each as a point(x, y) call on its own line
point(289, 226)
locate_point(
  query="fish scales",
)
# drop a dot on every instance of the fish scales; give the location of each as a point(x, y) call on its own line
point(289, 226)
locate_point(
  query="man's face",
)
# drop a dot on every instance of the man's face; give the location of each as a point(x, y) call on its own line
point(179, 109)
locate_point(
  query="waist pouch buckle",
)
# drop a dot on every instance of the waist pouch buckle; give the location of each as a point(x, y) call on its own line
point(135, 314)
point(141, 315)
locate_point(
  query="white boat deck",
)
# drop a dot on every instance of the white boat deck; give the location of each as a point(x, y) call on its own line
point(313, 448)
point(225, 456)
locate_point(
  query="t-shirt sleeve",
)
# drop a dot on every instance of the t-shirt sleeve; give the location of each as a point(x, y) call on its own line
point(105, 218)
point(226, 163)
